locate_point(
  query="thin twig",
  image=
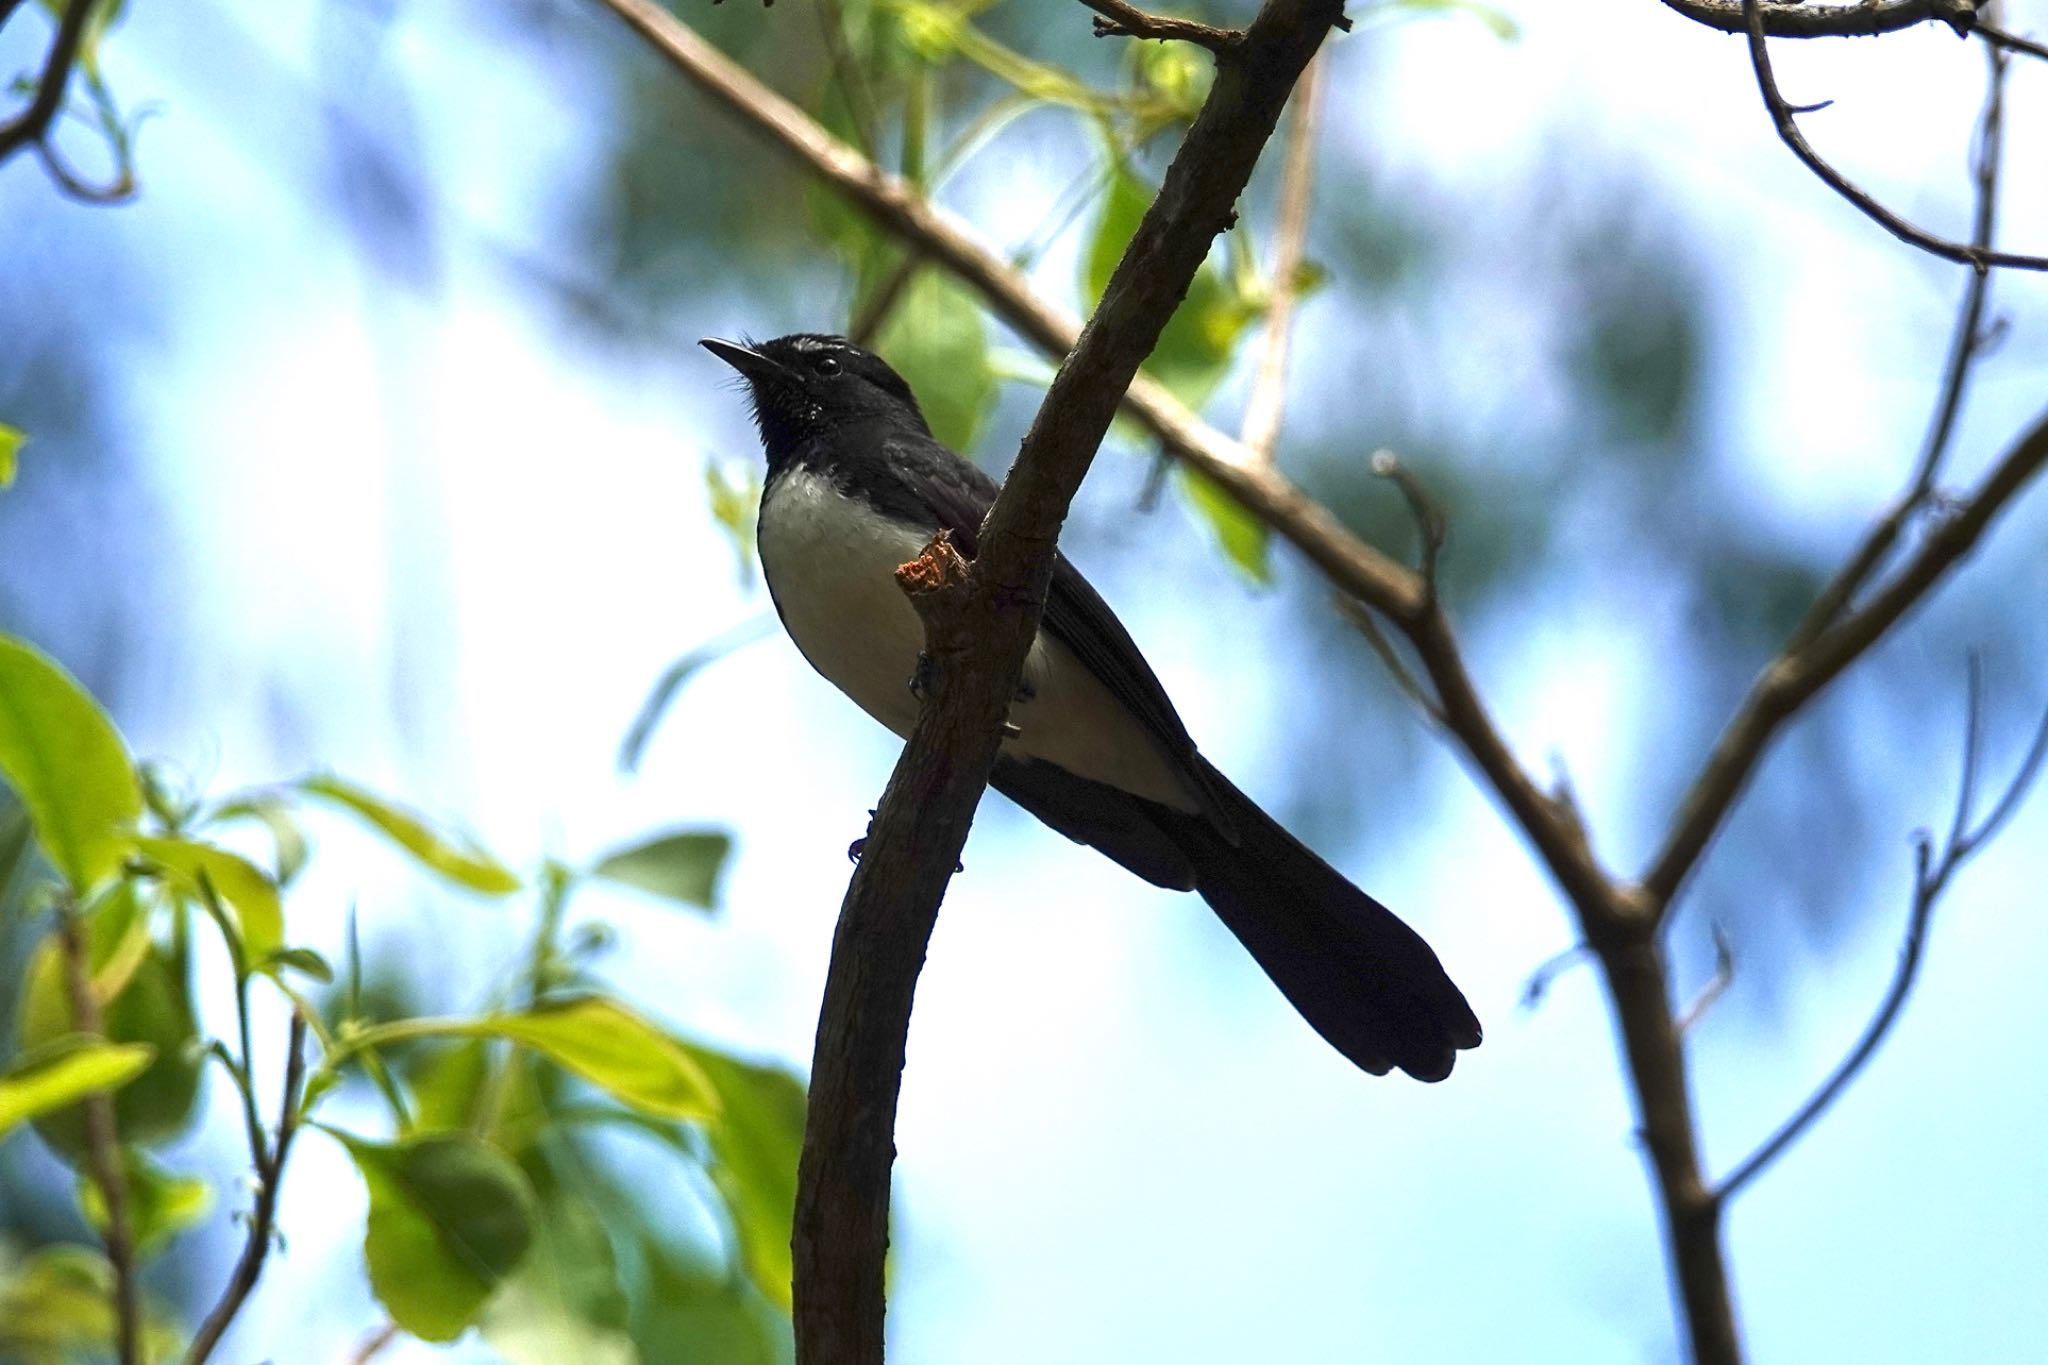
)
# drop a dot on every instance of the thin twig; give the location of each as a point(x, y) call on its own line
point(1796, 19)
point(1783, 686)
point(1792, 679)
point(373, 1345)
point(2011, 42)
point(269, 1168)
point(1548, 971)
point(33, 123)
point(1932, 876)
point(1965, 345)
point(1261, 430)
point(103, 1144)
point(1717, 984)
point(1964, 253)
point(1119, 20)
point(1366, 624)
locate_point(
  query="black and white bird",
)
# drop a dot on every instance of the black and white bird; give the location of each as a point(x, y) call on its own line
point(856, 486)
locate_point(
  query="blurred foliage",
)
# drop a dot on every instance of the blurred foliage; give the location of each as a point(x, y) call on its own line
point(1541, 354)
point(456, 1178)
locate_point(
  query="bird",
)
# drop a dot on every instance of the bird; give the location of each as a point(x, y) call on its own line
point(857, 485)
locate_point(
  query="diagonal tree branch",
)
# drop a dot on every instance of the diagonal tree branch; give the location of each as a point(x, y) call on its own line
point(33, 123)
point(1932, 876)
point(1782, 116)
point(1116, 19)
point(1346, 561)
point(1793, 678)
point(103, 1145)
point(1261, 430)
point(979, 623)
point(1769, 702)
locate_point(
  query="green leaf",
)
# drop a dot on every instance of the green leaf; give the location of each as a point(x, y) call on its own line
point(66, 761)
point(735, 506)
point(12, 439)
point(65, 1070)
point(680, 672)
point(57, 1306)
point(721, 1317)
point(459, 861)
point(192, 866)
point(153, 1008)
point(305, 961)
point(564, 1303)
point(1195, 349)
point(161, 1204)
point(611, 1047)
point(681, 866)
point(285, 835)
point(450, 1219)
point(936, 338)
point(1244, 539)
point(755, 1143)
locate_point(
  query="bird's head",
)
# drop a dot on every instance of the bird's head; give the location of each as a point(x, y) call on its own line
point(804, 384)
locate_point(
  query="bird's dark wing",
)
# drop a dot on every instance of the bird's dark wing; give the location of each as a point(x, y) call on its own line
point(959, 496)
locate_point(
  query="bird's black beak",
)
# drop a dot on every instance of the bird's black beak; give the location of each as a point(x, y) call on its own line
point(745, 359)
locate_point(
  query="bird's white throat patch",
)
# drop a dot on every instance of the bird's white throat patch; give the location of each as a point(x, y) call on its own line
point(831, 561)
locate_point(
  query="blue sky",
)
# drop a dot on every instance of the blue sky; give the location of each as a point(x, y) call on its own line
point(416, 535)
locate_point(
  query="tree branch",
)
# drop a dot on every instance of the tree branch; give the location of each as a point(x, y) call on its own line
point(33, 123)
point(1261, 430)
point(103, 1144)
point(979, 622)
point(1792, 19)
point(1931, 877)
point(1792, 679)
point(1964, 347)
point(1350, 564)
point(1119, 20)
point(1779, 691)
point(269, 1162)
point(1964, 253)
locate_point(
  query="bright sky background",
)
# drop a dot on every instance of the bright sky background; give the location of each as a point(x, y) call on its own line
point(1116, 1144)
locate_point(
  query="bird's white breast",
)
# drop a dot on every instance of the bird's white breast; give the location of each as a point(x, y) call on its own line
point(831, 562)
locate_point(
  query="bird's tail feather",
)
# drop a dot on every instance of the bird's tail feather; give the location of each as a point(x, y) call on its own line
point(1364, 980)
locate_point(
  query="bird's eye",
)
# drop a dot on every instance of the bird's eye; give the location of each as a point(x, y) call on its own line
point(827, 365)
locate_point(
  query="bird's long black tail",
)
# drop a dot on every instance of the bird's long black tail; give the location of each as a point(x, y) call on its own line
point(1362, 978)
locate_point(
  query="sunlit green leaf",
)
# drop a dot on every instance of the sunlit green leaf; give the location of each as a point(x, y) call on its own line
point(609, 1046)
point(565, 1302)
point(755, 1142)
point(1195, 349)
point(193, 867)
point(735, 503)
point(154, 1008)
point(304, 961)
point(1244, 538)
point(67, 763)
point(681, 866)
point(161, 1203)
point(449, 1219)
point(459, 861)
point(725, 1320)
point(56, 1308)
point(936, 337)
point(12, 439)
point(285, 835)
point(681, 671)
point(64, 1071)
